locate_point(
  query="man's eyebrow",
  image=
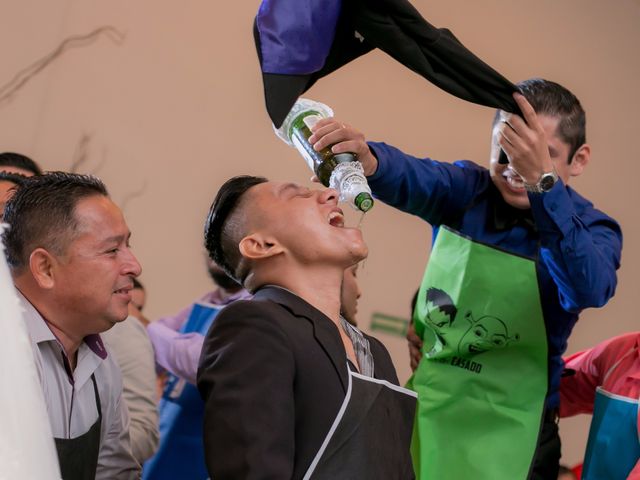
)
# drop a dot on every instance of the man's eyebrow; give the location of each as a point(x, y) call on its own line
point(117, 238)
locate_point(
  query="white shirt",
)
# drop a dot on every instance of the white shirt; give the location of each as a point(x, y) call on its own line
point(71, 402)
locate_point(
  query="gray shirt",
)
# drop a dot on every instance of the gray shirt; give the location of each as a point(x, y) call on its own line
point(133, 351)
point(361, 348)
point(71, 402)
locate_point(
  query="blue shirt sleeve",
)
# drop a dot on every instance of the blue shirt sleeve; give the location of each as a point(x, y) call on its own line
point(581, 249)
point(435, 191)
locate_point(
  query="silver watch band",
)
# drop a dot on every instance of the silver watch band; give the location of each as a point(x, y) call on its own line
point(545, 183)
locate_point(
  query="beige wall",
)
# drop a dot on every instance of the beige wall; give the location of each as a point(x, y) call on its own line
point(178, 108)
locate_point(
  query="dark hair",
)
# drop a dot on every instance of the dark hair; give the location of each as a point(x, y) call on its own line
point(443, 301)
point(12, 177)
point(550, 98)
point(11, 159)
point(42, 213)
point(137, 284)
point(414, 301)
point(221, 238)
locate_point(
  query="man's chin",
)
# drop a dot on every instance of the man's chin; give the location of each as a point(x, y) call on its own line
point(119, 318)
point(359, 252)
point(519, 200)
point(521, 203)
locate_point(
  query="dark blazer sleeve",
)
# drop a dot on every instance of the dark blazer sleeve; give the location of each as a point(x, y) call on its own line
point(246, 380)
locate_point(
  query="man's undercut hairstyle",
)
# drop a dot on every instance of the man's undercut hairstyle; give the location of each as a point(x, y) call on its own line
point(41, 214)
point(552, 99)
point(223, 232)
point(17, 160)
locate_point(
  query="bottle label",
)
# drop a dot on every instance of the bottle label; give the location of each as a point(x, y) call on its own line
point(348, 179)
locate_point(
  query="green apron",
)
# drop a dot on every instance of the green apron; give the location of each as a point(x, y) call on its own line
point(482, 381)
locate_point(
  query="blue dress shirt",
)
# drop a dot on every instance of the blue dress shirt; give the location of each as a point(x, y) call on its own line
point(577, 246)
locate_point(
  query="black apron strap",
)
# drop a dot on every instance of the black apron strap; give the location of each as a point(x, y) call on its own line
point(78, 456)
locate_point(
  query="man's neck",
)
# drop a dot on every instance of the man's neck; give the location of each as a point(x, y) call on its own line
point(319, 288)
point(69, 342)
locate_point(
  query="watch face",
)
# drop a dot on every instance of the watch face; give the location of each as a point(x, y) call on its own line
point(547, 182)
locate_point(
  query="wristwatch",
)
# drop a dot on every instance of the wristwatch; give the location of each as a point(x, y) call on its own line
point(545, 183)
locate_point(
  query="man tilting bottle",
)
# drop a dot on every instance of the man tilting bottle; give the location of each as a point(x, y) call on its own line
point(517, 255)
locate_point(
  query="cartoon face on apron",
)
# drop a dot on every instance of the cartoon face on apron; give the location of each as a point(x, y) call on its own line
point(482, 381)
point(613, 447)
point(181, 450)
point(370, 436)
point(78, 456)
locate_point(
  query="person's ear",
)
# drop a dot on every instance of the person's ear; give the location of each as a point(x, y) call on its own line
point(580, 160)
point(259, 247)
point(42, 265)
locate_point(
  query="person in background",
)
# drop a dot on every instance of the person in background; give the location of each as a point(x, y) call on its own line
point(605, 381)
point(350, 294)
point(68, 250)
point(14, 167)
point(138, 301)
point(178, 343)
point(178, 352)
point(18, 163)
point(133, 351)
point(8, 183)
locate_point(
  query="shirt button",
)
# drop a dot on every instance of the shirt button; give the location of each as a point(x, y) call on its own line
point(553, 207)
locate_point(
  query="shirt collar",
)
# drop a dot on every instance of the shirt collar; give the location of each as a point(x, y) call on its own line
point(37, 327)
point(40, 332)
point(216, 297)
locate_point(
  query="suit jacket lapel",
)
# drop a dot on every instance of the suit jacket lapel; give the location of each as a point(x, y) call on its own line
point(324, 330)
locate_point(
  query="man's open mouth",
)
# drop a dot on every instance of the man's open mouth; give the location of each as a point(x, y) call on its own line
point(336, 218)
point(514, 180)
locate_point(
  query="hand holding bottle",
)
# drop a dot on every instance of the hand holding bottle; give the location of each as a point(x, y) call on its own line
point(340, 171)
point(344, 138)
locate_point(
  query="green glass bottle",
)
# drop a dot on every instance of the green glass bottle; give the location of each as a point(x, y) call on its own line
point(340, 171)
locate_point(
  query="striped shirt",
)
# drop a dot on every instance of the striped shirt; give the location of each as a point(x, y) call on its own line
point(360, 346)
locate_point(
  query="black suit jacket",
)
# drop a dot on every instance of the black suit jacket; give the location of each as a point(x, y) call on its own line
point(273, 375)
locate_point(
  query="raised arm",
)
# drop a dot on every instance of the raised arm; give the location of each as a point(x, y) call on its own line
point(580, 248)
point(176, 352)
point(432, 190)
point(588, 369)
point(582, 251)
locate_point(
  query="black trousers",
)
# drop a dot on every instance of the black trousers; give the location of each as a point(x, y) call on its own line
point(547, 457)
